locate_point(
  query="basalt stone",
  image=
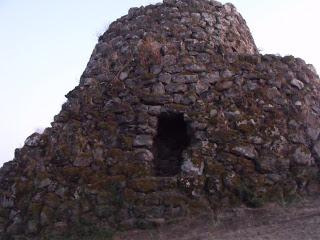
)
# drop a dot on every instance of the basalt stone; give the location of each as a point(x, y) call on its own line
point(158, 89)
point(302, 156)
point(142, 140)
point(33, 140)
point(297, 83)
point(165, 78)
point(221, 86)
point(176, 105)
point(246, 151)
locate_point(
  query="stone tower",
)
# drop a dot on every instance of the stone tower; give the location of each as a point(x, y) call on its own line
point(176, 113)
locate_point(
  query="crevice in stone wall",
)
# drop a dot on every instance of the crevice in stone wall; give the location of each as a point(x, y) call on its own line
point(171, 139)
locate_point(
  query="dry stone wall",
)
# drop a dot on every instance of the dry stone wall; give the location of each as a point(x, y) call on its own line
point(176, 113)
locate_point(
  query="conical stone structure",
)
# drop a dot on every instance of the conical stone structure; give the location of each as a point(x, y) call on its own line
point(176, 113)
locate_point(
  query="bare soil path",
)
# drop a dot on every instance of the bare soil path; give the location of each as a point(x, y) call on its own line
point(299, 221)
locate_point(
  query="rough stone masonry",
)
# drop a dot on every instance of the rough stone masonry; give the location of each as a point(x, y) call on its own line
point(176, 113)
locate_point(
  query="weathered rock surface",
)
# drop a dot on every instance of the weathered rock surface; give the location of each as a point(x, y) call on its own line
point(176, 113)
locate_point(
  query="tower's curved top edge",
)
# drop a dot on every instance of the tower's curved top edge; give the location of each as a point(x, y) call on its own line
point(185, 22)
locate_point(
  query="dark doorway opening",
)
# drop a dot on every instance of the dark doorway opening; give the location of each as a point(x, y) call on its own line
point(171, 139)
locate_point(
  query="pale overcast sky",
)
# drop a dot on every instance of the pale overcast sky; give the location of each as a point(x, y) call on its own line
point(45, 46)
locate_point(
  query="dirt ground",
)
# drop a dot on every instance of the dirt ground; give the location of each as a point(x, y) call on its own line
point(298, 221)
